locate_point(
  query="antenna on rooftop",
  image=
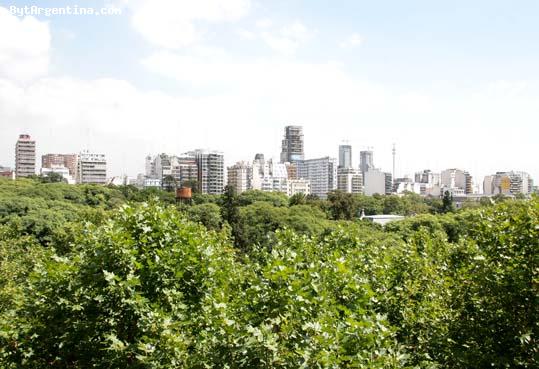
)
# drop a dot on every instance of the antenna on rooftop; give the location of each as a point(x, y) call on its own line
point(394, 151)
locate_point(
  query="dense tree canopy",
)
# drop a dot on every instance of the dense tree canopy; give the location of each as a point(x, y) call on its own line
point(120, 278)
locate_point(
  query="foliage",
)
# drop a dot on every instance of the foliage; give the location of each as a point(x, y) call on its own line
point(88, 281)
point(252, 196)
point(208, 214)
point(447, 203)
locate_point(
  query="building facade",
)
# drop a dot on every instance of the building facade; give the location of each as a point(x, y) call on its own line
point(349, 180)
point(374, 182)
point(298, 186)
point(6, 172)
point(184, 169)
point(321, 173)
point(239, 176)
point(366, 161)
point(58, 169)
point(68, 161)
point(456, 181)
point(91, 168)
point(345, 156)
point(211, 177)
point(292, 145)
point(25, 156)
point(508, 183)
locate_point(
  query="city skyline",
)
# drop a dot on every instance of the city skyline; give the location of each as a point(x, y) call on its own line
point(229, 75)
point(292, 174)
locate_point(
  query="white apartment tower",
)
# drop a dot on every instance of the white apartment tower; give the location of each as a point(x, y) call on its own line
point(25, 156)
point(321, 173)
point(240, 176)
point(211, 178)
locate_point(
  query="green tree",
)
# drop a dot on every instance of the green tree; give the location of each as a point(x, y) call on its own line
point(342, 205)
point(297, 199)
point(209, 214)
point(447, 203)
point(231, 214)
point(51, 177)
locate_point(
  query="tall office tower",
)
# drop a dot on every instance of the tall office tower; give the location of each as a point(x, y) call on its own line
point(211, 178)
point(394, 153)
point(68, 161)
point(366, 162)
point(292, 144)
point(321, 173)
point(349, 180)
point(345, 156)
point(91, 168)
point(25, 156)
point(240, 176)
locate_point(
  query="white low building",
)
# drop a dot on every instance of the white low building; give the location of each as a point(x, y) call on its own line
point(63, 171)
point(382, 219)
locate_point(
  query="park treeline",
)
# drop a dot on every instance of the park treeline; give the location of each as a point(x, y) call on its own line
point(115, 277)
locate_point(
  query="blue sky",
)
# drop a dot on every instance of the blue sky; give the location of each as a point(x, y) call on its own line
point(454, 84)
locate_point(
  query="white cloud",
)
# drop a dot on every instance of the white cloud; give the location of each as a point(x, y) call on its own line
point(24, 47)
point(176, 23)
point(249, 103)
point(287, 39)
point(264, 23)
point(352, 41)
point(246, 35)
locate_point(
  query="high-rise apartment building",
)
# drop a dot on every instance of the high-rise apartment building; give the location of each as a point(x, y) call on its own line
point(366, 161)
point(345, 156)
point(68, 161)
point(292, 144)
point(25, 156)
point(321, 173)
point(184, 169)
point(211, 178)
point(91, 168)
point(349, 180)
point(240, 176)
